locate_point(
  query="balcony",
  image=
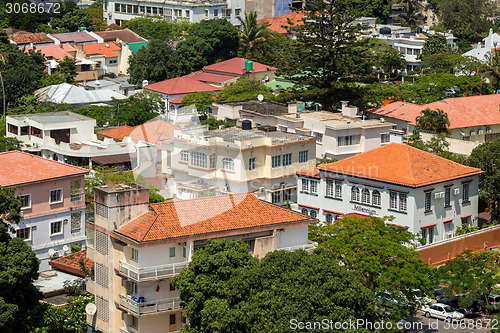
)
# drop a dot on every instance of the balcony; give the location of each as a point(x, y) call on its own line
point(307, 247)
point(149, 308)
point(153, 273)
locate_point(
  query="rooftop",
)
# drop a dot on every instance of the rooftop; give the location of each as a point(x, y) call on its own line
point(399, 164)
point(71, 263)
point(280, 23)
point(70, 94)
point(206, 217)
point(210, 77)
point(336, 120)
point(237, 66)
point(266, 107)
point(106, 49)
point(462, 111)
point(75, 37)
point(180, 85)
point(125, 35)
point(35, 38)
point(52, 117)
point(58, 52)
point(18, 168)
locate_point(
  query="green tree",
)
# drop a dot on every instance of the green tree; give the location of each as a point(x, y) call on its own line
point(380, 9)
point(137, 109)
point(155, 28)
point(71, 18)
point(279, 51)
point(491, 69)
point(433, 120)
point(155, 63)
point(390, 60)
point(434, 44)
point(244, 88)
point(202, 100)
point(214, 124)
point(382, 257)
point(75, 317)
point(441, 63)
point(67, 68)
point(251, 34)
point(412, 14)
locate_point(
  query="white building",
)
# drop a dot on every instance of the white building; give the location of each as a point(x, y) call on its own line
point(483, 49)
point(429, 195)
point(137, 249)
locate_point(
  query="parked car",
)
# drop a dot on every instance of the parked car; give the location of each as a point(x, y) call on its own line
point(442, 311)
point(454, 303)
point(438, 292)
point(493, 300)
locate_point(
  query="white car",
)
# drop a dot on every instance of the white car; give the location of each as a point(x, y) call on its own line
point(442, 311)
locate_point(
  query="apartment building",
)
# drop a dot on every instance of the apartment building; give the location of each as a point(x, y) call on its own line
point(53, 204)
point(427, 194)
point(237, 160)
point(137, 249)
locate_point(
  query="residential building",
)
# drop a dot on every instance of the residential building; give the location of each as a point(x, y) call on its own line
point(280, 23)
point(237, 160)
point(138, 247)
point(427, 194)
point(482, 50)
point(107, 56)
point(271, 8)
point(473, 120)
point(339, 135)
point(66, 93)
point(31, 39)
point(53, 203)
point(77, 38)
point(239, 67)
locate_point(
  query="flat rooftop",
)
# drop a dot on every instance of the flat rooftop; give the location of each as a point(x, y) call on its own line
point(264, 107)
point(52, 117)
point(51, 282)
point(336, 119)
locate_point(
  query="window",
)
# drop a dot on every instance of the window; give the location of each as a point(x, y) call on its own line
point(447, 197)
point(428, 234)
point(199, 160)
point(134, 322)
point(465, 193)
point(237, 12)
point(304, 211)
point(313, 214)
point(355, 194)
point(305, 185)
point(303, 156)
point(376, 198)
point(213, 161)
point(187, 13)
point(25, 201)
point(24, 130)
point(385, 137)
point(113, 61)
point(13, 129)
point(349, 140)
point(394, 200)
point(135, 254)
point(329, 218)
point(314, 186)
point(206, 13)
point(283, 128)
point(227, 12)
point(365, 196)
point(76, 191)
point(276, 161)
point(402, 202)
point(216, 12)
point(184, 252)
point(56, 228)
point(251, 163)
point(36, 132)
point(172, 319)
point(76, 222)
point(117, 7)
point(287, 195)
point(338, 189)
point(329, 188)
point(319, 136)
point(287, 159)
point(276, 197)
point(178, 12)
point(428, 201)
point(466, 220)
point(24, 233)
point(55, 196)
point(184, 156)
point(172, 252)
point(227, 163)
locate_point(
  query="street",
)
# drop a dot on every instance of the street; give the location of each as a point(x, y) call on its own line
point(420, 323)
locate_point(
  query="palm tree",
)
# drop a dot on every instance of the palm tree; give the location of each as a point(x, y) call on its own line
point(433, 120)
point(412, 15)
point(251, 34)
point(3, 60)
point(491, 69)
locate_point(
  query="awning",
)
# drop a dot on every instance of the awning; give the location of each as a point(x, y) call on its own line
point(450, 220)
point(311, 207)
point(466, 216)
point(332, 211)
point(113, 159)
point(396, 225)
point(428, 225)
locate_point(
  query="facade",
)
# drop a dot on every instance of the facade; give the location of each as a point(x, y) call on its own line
point(429, 195)
point(482, 50)
point(53, 203)
point(237, 160)
point(271, 8)
point(137, 249)
point(107, 57)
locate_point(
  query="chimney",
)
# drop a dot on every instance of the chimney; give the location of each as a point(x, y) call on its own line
point(349, 111)
point(145, 83)
point(97, 85)
point(107, 45)
point(292, 107)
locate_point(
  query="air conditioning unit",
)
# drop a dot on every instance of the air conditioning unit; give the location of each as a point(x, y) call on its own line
point(224, 189)
point(221, 127)
point(456, 191)
point(480, 132)
point(449, 235)
point(249, 145)
point(191, 140)
point(35, 145)
point(488, 130)
point(21, 214)
point(472, 133)
point(261, 189)
point(323, 155)
point(439, 195)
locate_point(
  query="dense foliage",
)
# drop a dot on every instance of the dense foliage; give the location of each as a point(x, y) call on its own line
point(244, 88)
point(154, 28)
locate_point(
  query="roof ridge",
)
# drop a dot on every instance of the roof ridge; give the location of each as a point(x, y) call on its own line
point(45, 159)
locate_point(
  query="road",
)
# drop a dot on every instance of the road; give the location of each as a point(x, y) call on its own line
point(421, 324)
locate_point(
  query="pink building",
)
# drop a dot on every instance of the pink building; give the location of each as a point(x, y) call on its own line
point(53, 209)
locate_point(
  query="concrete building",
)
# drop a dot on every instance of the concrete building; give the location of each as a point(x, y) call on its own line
point(427, 194)
point(137, 249)
point(66, 93)
point(237, 160)
point(107, 57)
point(482, 50)
point(53, 203)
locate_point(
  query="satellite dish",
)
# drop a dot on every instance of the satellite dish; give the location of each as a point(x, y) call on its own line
point(26, 119)
point(260, 97)
point(51, 252)
point(90, 309)
point(66, 248)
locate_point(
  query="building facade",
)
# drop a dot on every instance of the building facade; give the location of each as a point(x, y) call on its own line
point(429, 195)
point(134, 265)
point(53, 203)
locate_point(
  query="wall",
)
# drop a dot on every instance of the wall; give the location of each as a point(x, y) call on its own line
point(292, 236)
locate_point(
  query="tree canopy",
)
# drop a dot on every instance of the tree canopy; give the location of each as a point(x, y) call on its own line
point(491, 69)
point(433, 120)
point(251, 34)
point(244, 88)
point(155, 28)
point(434, 44)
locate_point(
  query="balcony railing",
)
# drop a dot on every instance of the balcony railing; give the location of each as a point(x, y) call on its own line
point(151, 273)
point(151, 307)
point(307, 247)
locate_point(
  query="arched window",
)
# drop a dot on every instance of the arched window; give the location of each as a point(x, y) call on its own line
point(313, 214)
point(365, 196)
point(376, 198)
point(355, 194)
point(329, 218)
point(227, 163)
point(304, 211)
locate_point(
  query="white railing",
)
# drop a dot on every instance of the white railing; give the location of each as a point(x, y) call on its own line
point(310, 246)
point(458, 237)
point(151, 307)
point(150, 273)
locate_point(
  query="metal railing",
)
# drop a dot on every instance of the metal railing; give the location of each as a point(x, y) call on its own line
point(151, 307)
point(443, 241)
point(150, 273)
point(310, 247)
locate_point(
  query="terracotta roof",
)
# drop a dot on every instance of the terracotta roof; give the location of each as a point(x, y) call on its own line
point(125, 35)
point(71, 263)
point(462, 111)
point(236, 66)
point(177, 100)
point(86, 76)
point(36, 38)
point(17, 168)
point(14, 31)
point(153, 132)
point(279, 23)
point(75, 37)
point(208, 216)
point(210, 77)
point(106, 49)
point(400, 164)
point(311, 173)
point(58, 52)
point(180, 85)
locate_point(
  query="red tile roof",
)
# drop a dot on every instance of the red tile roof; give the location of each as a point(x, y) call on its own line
point(180, 85)
point(205, 217)
point(153, 132)
point(279, 23)
point(125, 35)
point(236, 66)
point(106, 49)
point(210, 77)
point(71, 263)
point(462, 111)
point(57, 52)
point(75, 37)
point(400, 164)
point(36, 38)
point(17, 168)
